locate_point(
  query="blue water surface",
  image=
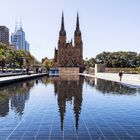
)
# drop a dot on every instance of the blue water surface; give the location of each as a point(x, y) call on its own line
point(69, 108)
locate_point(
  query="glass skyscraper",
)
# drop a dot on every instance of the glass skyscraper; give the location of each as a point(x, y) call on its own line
point(18, 39)
point(27, 46)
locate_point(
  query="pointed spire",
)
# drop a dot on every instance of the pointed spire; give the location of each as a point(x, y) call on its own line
point(77, 22)
point(77, 31)
point(62, 22)
point(62, 31)
point(15, 24)
point(20, 23)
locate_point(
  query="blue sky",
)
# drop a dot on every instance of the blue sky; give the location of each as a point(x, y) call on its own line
point(106, 25)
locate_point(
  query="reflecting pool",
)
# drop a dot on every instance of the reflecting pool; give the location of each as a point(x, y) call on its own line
point(69, 108)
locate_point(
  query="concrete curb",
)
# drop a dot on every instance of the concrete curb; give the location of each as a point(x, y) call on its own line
point(12, 74)
point(8, 80)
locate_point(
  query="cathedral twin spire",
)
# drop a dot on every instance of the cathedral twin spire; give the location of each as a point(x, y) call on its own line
point(64, 55)
point(77, 23)
point(63, 32)
point(77, 31)
point(62, 23)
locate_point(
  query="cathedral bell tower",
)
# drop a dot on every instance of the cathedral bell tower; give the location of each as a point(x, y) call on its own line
point(62, 34)
point(77, 34)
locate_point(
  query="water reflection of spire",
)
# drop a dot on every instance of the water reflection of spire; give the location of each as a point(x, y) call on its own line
point(77, 110)
point(69, 90)
point(62, 109)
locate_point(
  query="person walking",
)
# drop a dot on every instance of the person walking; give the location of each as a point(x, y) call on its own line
point(120, 75)
point(27, 70)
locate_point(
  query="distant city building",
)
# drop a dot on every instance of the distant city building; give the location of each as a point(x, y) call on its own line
point(4, 35)
point(27, 46)
point(18, 39)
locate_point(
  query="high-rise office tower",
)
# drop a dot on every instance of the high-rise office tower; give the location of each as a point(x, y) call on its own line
point(27, 45)
point(18, 39)
point(4, 35)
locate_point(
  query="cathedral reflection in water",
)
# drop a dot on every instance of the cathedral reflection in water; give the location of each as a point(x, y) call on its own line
point(66, 88)
point(69, 89)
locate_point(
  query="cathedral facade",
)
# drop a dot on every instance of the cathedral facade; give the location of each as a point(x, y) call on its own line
point(69, 54)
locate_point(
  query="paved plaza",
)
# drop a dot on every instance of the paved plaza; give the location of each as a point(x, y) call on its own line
point(129, 79)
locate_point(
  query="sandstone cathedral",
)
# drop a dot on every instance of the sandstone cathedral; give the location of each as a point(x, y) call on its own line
point(69, 54)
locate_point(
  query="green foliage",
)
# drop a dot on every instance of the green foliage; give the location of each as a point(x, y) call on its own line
point(89, 62)
point(138, 69)
point(15, 58)
point(128, 60)
point(119, 59)
point(47, 63)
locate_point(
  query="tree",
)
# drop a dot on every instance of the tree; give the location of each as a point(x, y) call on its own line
point(15, 58)
point(2, 56)
point(119, 59)
point(48, 63)
point(89, 62)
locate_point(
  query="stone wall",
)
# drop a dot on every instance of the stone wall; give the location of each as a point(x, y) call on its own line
point(125, 70)
point(65, 78)
point(99, 68)
point(68, 71)
point(91, 70)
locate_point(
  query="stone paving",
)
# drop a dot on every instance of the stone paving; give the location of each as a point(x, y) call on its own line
point(130, 79)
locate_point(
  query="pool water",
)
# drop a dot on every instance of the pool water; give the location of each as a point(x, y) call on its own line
point(69, 108)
